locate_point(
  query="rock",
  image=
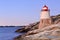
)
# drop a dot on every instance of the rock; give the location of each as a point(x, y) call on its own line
point(51, 32)
point(29, 27)
point(45, 34)
point(23, 30)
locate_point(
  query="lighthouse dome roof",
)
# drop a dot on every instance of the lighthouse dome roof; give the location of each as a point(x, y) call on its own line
point(45, 8)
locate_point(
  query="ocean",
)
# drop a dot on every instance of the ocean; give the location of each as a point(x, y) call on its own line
point(8, 33)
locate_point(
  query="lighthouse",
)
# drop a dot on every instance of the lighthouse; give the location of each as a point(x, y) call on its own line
point(45, 18)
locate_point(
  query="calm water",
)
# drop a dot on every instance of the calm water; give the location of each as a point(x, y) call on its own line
point(8, 33)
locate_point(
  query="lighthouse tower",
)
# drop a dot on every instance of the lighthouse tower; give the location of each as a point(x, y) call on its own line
point(45, 18)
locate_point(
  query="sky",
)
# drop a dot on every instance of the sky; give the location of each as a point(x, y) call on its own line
point(24, 12)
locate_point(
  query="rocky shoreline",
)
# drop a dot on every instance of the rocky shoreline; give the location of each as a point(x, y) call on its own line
point(51, 32)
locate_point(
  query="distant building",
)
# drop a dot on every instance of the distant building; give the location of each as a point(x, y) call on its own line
point(45, 18)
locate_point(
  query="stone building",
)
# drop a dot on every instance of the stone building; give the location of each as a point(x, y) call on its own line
point(45, 18)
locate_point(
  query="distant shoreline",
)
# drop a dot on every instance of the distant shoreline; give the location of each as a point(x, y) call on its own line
point(11, 26)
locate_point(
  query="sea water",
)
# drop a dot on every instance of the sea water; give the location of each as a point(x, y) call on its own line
point(8, 33)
